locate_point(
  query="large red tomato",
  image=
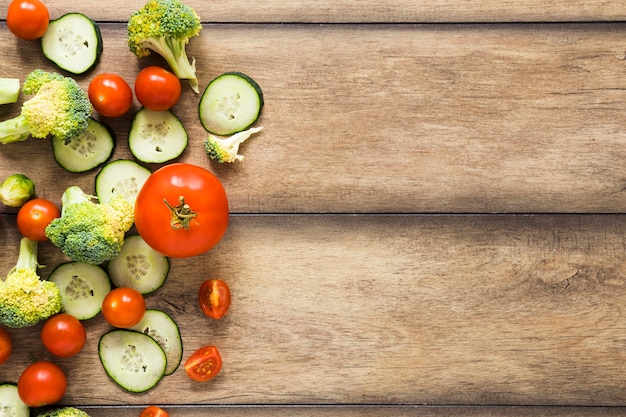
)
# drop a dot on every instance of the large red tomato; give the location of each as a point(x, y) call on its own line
point(181, 210)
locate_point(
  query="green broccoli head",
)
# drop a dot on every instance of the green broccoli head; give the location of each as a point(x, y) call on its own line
point(165, 27)
point(24, 298)
point(88, 231)
point(64, 412)
point(59, 108)
point(226, 150)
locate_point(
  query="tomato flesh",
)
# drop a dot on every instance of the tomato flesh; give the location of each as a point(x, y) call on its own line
point(110, 95)
point(181, 210)
point(214, 298)
point(157, 89)
point(153, 411)
point(123, 307)
point(204, 364)
point(6, 345)
point(34, 216)
point(28, 19)
point(41, 383)
point(63, 335)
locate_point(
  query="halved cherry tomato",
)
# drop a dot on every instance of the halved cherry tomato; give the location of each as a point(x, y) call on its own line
point(123, 307)
point(204, 364)
point(214, 298)
point(6, 345)
point(41, 383)
point(181, 210)
point(153, 411)
point(28, 19)
point(63, 335)
point(157, 89)
point(110, 95)
point(34, 216)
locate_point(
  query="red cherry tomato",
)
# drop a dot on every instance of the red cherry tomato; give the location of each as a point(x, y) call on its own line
point(214, 298)
point(123, 307)
point(41, 383)
point(153, 411)
point(6, 345)
point(63, 335)
point(181, 210)
point(204, 364)
point(110, 95)
point(28, 19)
point(34, 216)
point(157, 89)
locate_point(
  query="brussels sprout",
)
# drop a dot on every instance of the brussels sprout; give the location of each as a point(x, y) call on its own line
point(16, 190)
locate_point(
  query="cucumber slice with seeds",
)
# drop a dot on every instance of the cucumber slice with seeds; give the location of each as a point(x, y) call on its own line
point(164, 330)
point(86, 151)
point(138, 266)
point(124, 177)
point(156, 136)
point(11, 405)
point(232, 102)
point(83, 288)
point(73, 42)
point(133, 360)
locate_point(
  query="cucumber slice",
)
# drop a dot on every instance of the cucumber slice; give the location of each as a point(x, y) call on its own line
point(232, 102)
point(138, 266)
point(162, 328)
point(156, 136)
point(83, 287)
point(134, 360)
point(11, 405)
point(73, 42)
point(86, 151)
point(124, 177)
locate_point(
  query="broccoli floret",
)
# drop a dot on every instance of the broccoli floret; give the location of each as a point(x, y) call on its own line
point(64, 412)
point(9, 90)
point(25, 299)
point(90, 232)
point(226, 149)
point(165, 27)
point(59, 108)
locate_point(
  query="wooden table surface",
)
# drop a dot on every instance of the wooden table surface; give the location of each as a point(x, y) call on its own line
point(431, 222)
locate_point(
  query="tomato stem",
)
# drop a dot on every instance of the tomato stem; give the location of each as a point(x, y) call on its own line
point(181, 214)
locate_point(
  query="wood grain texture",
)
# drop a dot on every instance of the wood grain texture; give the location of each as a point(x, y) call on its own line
point(417, 118)
point(368, 11)
point(373, 411)
point(500, 310)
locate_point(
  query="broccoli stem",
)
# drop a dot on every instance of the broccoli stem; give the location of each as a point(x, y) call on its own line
point(27, 258)
point(73, 195)
point(9, 90)
point(14, 130)
point(175, 54)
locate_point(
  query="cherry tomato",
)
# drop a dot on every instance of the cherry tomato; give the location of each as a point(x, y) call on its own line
point(6, 345)
point(34, 216)
point(157, 89)
point(110, 95)
point(204, 364)
point(181, 210)
point(63, 335)
point(28, 19)
point(153, 411)
point(41, 383)
point(214, 298)
point(123, 307)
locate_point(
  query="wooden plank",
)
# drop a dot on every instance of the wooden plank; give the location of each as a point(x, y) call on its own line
point(373, 411)
point(359, 11)
point(400, 118)
point(454, 310)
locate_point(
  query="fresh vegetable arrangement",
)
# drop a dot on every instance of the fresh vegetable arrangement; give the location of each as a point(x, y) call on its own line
point(179, 210)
